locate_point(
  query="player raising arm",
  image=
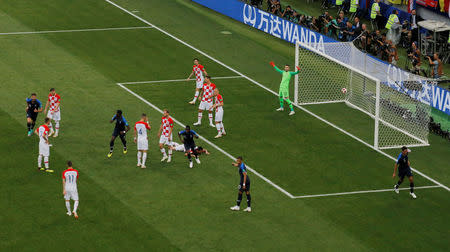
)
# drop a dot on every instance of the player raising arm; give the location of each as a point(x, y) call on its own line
point(197, 70)
point(165, 135)
point(218, 106)
point(207, 101)
point(44, 145)
point(284, 86)
point(54, 102)
point(70, 190)
point(140, 137)
point(244, 186)
point(34, 106)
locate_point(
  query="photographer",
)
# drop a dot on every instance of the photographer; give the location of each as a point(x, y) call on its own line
point(348, 32)
point(414, 57)
point(436, 66)
point(391, 52)
point(287, 13)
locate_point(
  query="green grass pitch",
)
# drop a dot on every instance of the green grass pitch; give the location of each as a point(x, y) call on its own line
point(170, 207)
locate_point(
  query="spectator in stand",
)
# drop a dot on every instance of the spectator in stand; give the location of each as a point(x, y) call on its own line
point(343, 18)
point(302, 21)
point(256, 3)
point(436, 66)
point(413, 20)
point(271, 4)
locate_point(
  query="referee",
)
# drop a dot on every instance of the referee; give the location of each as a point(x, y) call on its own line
point(404, 169)
point(187, 138)
point(244, 186)
point(34, 106)
point(120, 130)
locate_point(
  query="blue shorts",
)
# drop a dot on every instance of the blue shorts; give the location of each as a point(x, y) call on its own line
point(404, 172)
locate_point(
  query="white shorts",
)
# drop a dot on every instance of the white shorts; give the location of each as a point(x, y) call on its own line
point(219, 115)
point(205, 105)
point(165, 140)
point(71, 195)
point(142, 143)
point(179, 147)
point(200, 84)
point(44, 149)
point(56, 116)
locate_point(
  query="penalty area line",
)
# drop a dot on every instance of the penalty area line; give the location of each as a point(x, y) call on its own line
point(208, 142)
point(177, 80)
point(361, 192)
point(78, 30)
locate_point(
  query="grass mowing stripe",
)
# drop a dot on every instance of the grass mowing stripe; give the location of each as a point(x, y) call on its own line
point(210, 143)
point(77, 30)
point(273, 92)
point(361, 192)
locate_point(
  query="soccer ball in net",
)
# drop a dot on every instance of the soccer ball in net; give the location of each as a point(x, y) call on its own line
point(344, 90)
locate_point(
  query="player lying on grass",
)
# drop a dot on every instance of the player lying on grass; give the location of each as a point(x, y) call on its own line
point(404, 169)
point(180, 147)
point(70, 190)
point(244, 186)
point(207, 101)
point(53, 102)
point(165, 135)
point(34, 106)
point(44, 145)
point(284, 86)
point(199, 71)
point(120, 130)
point(141, 139)
point(218, 106)
point(187, 138)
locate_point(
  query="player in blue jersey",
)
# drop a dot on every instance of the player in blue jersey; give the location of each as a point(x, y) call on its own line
point(34, 106)
point(120, 130)
point(187, 138)
point(244, 186)
point(404, 170)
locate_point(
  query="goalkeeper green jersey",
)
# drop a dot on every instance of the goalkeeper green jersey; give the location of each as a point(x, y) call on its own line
point(284, 85)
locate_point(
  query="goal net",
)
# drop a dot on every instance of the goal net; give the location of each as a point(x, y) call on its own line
point(376, 89)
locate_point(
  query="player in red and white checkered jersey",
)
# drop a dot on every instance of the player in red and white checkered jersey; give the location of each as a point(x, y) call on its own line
point(207, 101)
point(140, 137)
point(44, 145)
point(165, 135)
point(197, 70)
point(218, 106)
point(54, 113)
point(70, 190)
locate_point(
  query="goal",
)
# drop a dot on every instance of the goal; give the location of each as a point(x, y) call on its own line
point(374, 88)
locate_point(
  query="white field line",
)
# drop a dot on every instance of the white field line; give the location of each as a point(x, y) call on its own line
point(208, 142)
point(361, 192)
point(271, 91)
point(177, 80)
point(78, 30)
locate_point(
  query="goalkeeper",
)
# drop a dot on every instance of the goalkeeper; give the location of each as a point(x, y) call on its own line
point(284, 86)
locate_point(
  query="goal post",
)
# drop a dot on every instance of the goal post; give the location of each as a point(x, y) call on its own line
point(326, 70)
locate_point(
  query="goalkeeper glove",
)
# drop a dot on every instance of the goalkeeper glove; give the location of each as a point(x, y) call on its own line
point(272, 64)
point(298, 68)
